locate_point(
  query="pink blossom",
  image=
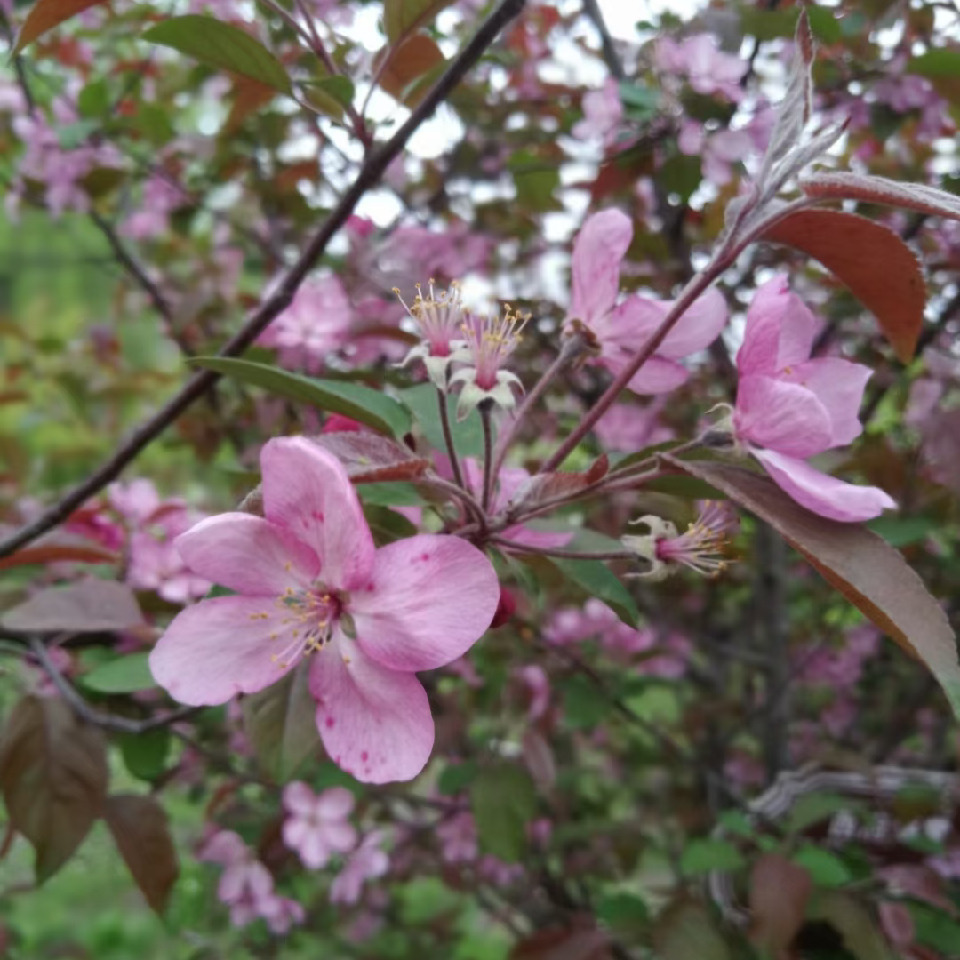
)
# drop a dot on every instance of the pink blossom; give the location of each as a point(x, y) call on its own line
point(313, 586)
point(155, 562)
point(718, 151)
point(602, 114)
point(625, 427)
point(790, 407)
point(317, 826)
point(458, 838)
point(315, 325)
point(161, 196)
point(707, 69)
point(622, 330)
point(367, 862)
point(537, 683)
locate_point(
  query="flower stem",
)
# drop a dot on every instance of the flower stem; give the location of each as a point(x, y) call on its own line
point(559, 552)
point(485, 408)
point(448, 439)
point(573, 347)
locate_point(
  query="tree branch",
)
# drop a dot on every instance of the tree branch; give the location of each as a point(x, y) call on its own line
point(369, 174)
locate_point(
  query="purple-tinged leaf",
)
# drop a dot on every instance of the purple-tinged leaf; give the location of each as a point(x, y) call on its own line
point(85, 607)
point(779, 891)
point(862, 566)
point(370, 458)
point(54, 547)
point(880, 190)
point(686, 930)
point(53, 776)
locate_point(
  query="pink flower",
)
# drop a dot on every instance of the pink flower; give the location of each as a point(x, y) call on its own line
point(458, 838)
point(367, 862)
point(790, 407)
point(317, 826)
point(627, 427)
point(707, 69)
point(602, 114)
point(622, 330)
point(312, 586)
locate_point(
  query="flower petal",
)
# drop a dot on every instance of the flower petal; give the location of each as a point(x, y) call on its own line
point(247, 554)
point(699, 326)
point(335, 804)
point(307, 491)
point(431, 597)
point(299, 799)
point(221, 647)
point(779, 331)
point(838, 385)
point(375, 723)
point(658, 375)
point(597, 253)
point(821, 493)
point(781, 416)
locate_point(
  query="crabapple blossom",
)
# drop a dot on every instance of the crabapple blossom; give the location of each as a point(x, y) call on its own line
point(707, 69)
point(621, 330)
point(439, 318)
point(790, 407)
point(313, 587)
point(317, 826)
point(602, 114)
point(367, 862)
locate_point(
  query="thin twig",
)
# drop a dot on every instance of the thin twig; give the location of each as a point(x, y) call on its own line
point(448, 439)
point(369, 174)
point(517, 547)
point(485, 409)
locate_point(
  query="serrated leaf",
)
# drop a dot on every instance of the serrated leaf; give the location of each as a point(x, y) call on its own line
point(503, 799)
point(402, 17)
point(880, 190)
point(44, 15)
point(281, 723)
point(871, 260)
point(85, 607)
point(53, 776)
point(861, 565)
point(599, 581)
point(142, 834)
point(221, 45)
point(128, 674)
point(360, 403)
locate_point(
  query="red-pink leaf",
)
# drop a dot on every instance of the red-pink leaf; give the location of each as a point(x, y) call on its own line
point(549, 486)
point(56, 546)
point(779, 891)
point(85, 607)
point(44, 15)
point(880, 190)
point(862, 566)
point(142, 835)
point(371, 458)
point(581, 940)
point(871, 260)
point(53, 776)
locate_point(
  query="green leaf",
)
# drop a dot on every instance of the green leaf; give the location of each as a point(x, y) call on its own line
point(145, 754)
point(94, 99)
point(826, 868)
point(584, 706)
point(73, 135)
point(702, 856)
point(456, 777)
point(641, 102)
point(128, 674)
point(402, 17)
point(811, 808)
point(687, 931)
point(221, 45)
point(467, 434)
point(936, 63)
point(824, 24)
point(903, 531)
point(852, 921)
point(597, 580)
point(503, 799)
point(680, 175)
point(935, 928)
point(390, 495)
point(623, 911)
point(371, 407)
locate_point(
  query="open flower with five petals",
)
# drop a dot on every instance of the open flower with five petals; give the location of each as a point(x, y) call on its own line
point(621, 330)
point(311, 585)
point(790, 408)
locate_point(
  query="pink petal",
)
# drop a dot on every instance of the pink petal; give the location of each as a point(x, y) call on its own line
point(335, 804)
point(375, 723)
point(838, 385)
point(219, 648)
point(313, 849)
point(659, 375)
point(781, 416)
point(597, 253)
point(531, 537)
point(780, 330)
point(430, 598)
point(340, 836)
point(700, 325)
point(247, 554)
point(821, 493)
point(306, 490)
point(298, 798)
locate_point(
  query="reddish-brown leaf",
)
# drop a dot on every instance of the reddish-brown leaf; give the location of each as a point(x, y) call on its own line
point(249, 96)
point(47, 14)
point(53, 776)
point(371, 458)
point(142, 835)
point(779, 891)
point(880, 190)
point(54, 547)
point(578, 941)
point(871, 260)
point(538, 756)
point(405, 62)
point(83, 607)
point(862, 566)
point(549, 486)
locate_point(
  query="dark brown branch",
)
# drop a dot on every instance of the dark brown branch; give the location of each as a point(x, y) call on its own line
point(280, 299)
point(610, 56)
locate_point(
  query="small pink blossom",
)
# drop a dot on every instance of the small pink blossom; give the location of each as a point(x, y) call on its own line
point(602, 114)
point(312, 586)
point(625, 428)
point(790, 408)
point(622, 330)
point(537, 684)
point(458, 838)
point(368, 862)
point(317, 826)
point(706, 68)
